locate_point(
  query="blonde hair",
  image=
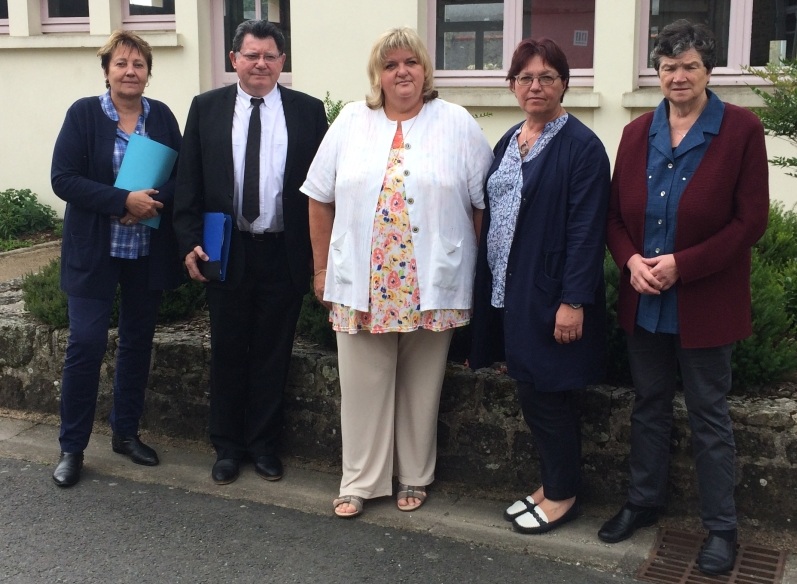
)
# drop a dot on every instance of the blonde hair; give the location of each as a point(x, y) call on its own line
point(391, 40)
point(124, 38)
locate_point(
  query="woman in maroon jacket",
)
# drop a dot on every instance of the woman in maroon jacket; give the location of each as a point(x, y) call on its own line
point(689, 199)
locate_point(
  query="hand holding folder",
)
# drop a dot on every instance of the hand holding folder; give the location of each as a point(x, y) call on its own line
point(147, 165)
point(216, 243)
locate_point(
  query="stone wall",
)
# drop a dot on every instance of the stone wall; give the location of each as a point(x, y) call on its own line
point(482, 438)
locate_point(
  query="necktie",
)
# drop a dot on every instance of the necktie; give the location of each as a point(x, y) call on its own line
point(250, 208)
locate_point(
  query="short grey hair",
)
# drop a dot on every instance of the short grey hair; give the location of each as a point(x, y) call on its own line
point(682, 35)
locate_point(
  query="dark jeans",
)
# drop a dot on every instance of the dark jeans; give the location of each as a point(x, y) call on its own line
point(553, 419)
point(88, 341)
point(706, 373)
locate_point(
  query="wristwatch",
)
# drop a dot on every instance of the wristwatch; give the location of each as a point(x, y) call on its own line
point(575, 306)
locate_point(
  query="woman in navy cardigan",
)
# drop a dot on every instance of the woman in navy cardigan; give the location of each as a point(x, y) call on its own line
point(105, 245)
point(539, 290)
point(689, 200)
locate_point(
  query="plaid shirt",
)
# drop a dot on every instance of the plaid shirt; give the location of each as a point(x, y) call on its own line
point(127, 241)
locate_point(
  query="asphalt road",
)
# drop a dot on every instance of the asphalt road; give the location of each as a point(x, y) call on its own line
point(110, 529)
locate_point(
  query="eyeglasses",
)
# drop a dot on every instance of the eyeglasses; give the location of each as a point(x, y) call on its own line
point(255, 57)
point(545, 80)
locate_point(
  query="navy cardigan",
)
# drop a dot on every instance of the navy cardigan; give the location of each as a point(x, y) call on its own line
point(82, 175)
point(556, 257)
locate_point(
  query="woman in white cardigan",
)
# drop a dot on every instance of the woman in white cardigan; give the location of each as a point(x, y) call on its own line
point(396, 198)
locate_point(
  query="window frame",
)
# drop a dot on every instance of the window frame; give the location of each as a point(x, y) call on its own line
point(740, 29)
point(513, 34)
point(53, 24)
point(148, 21)
point(219, 75)
point(4, 26)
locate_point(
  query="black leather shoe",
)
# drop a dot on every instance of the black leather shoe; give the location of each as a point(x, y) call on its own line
point(269, 467)
point(717, 556)
point(133, 447)
point(626, 522)
point(225, 471)
point(67, 472)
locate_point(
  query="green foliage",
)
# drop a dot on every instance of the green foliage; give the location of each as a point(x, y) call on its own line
point(780, 114)
point(332, 108)
point(771, 351)
point(44, 299)
point(313, 323)
point(21, 213)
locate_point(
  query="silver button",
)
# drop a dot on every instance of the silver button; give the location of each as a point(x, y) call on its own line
point(406, 173)
point(407, 145)
point(669, 165)
point(662, 193)
point(410, 200)
point(415, 230)
point(660, 222)
point(658, 249)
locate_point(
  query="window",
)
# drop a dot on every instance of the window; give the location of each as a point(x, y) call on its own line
point(65, 15)
point(3, 16)
point(748, 32)
point(237, 11)
point(148, 14)
point(477, 37)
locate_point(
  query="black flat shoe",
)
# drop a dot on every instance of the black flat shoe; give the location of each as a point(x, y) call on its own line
point(535, 521)
point(626, 522)
point(717, 556)
point(225, 471)
point(67, 472)
point(269, 467)
point(133, 447)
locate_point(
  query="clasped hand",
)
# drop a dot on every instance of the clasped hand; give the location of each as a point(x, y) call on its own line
point(653, 275)
point(141, 205)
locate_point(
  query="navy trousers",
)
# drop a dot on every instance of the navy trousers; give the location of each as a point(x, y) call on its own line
point(706, 374)
point(553, 418)
point(89, 320)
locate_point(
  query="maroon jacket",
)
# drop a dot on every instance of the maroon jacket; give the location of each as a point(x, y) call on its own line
point(721, 214)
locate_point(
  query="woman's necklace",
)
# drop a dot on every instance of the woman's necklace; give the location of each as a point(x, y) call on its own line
point(412, 125)
point(524, 146)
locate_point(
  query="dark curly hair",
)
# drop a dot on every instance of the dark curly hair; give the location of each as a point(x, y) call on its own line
point(682, 35)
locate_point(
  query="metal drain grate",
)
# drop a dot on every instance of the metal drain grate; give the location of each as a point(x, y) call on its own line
point(674, 561)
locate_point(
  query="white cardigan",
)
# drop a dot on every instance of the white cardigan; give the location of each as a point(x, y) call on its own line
point(445, 163)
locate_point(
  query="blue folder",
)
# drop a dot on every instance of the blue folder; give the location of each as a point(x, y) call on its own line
point(147, 165)
point(216, 243)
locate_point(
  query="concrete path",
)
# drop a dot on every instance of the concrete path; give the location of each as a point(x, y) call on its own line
point(445, 515)
point(18, 262)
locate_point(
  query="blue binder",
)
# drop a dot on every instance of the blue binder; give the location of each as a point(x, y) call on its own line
point(216, 243)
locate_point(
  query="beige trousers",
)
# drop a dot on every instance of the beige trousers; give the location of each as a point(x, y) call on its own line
point(390, 397)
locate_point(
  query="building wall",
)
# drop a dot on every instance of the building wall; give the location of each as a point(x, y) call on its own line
point(43, 74)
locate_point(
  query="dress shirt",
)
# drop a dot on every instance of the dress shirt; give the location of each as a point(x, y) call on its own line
point(668, 172)
point(273, 155)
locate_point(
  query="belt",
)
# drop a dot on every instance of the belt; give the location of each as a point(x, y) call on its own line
point(265, 236)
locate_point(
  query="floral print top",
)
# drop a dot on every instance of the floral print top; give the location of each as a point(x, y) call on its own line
point(394, 303)
point(503, 191)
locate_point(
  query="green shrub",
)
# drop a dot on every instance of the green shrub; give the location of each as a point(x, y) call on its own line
point(313, 323)
point(21, 213)
point(44, 299)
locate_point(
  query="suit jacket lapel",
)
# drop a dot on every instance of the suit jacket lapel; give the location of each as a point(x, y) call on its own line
point(225, 131)
point(292, 122)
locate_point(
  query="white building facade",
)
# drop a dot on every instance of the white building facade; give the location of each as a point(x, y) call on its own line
point(48, 58)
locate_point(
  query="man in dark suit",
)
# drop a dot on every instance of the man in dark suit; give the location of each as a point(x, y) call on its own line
point(253, 312)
